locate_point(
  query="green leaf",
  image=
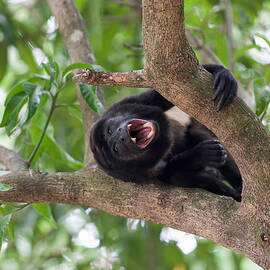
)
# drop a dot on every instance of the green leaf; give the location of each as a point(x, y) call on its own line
point(13, 120)
point(264, 38)
point(57, 69)
point(42, 77)
point(46, 68)
point(15, 90)
point(53, 149)
point(262, 95)
point(35, 92)
point(4, 221)
point(45, 211)
point(4, 187)
point(89, 93)
point(12, 108)
point(29, 87)
point(77, 65)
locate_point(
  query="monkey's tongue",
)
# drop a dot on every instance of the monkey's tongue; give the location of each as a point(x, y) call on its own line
point(141, 132)
point(142, 137)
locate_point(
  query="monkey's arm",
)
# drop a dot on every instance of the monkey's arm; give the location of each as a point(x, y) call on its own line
point(224, 84)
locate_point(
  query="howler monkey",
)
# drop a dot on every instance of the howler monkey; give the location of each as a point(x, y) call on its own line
point(137, 141)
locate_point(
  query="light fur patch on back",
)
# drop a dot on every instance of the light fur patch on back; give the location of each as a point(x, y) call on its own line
point(178, 115)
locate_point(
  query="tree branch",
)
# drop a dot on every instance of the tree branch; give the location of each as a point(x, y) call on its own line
point(12, 160)
point(134, 78)
point(183, 209)
point(76, 40)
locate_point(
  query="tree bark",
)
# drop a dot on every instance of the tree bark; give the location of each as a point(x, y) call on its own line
point(173, 70)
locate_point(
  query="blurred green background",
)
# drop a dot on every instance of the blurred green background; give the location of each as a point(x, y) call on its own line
point(69, 237)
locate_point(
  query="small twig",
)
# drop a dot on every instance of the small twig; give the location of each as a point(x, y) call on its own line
point(54, 98)
point(135, 78)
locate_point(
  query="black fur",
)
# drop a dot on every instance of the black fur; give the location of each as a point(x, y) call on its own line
point(184, 156)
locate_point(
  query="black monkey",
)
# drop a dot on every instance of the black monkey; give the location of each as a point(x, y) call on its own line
point(137, 141)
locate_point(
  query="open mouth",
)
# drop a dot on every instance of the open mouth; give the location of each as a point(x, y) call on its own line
point(141, 132)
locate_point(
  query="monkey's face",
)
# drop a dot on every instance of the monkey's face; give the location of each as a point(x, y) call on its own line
point(129, 140)
point(121, 138)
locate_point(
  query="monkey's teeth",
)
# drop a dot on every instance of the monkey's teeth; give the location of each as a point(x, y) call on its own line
point(129, 126)
point(149, 134)
point(147, 124)
point(134, 140)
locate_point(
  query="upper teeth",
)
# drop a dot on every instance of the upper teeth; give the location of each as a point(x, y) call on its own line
point(147, 124)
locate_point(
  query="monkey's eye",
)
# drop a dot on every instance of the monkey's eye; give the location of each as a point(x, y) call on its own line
point(109, 131)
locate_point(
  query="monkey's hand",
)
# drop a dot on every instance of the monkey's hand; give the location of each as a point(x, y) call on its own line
point(210, 153)
point(225, 86)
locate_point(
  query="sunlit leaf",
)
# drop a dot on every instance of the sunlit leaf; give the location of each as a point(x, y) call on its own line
point(5, 187)
point(12, 107)
point(264, 38)
point(34, 92)
point(13, 119)
point(45, 211)
point(4, 221)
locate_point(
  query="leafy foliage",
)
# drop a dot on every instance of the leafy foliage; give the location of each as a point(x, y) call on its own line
point(35, 72)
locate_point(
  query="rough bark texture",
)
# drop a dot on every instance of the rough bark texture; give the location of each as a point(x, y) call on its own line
point(172, 69)
point(130, 79)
